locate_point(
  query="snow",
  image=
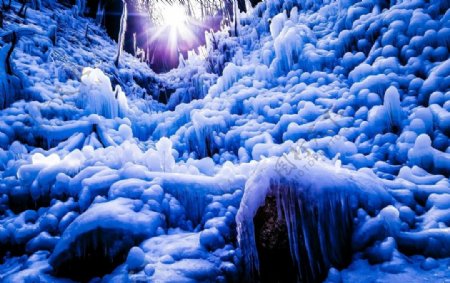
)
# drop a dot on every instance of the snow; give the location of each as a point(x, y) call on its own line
point(131, 218)
point(338, 109)
point(176, 257)
point(399, 269)
point(425, 156)
point(136, 258)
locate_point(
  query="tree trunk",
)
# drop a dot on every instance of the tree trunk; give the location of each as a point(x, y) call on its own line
point(123, 29)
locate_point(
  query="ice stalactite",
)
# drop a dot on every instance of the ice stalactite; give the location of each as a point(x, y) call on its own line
point(290, 44)
point(319, 231)
point(164, 147)
point(204, 135)
point(99, 238)
point(236, 18)
point(393, 109)
point(97, 96)
point(100, 15)
point(81, 6)
point(194, 192)
point(316, 212)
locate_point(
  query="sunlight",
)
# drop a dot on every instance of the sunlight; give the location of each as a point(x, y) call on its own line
point(174, 16)
point(173, 23)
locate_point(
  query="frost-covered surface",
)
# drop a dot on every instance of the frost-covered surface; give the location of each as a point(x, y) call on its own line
point(333, 100)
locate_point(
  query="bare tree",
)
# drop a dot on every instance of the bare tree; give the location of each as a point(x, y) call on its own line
point(123, 28)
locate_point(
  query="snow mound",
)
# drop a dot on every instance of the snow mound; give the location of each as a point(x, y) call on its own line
point(101, 234)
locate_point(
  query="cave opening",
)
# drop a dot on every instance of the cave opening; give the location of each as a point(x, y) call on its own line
point(272, 243)
point(312, 234)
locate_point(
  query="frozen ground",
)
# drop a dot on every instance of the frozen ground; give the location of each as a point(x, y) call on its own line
point(340, 109)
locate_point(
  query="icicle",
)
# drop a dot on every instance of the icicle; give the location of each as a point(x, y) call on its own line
point(336, 161)
point(393, 109)
point(100, 14)
point(181, 61)
point(97, 97)
point(317, 211)
point(81, 6)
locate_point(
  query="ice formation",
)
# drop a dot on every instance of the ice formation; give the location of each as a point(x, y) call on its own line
point(318, 214)
point(97, 97)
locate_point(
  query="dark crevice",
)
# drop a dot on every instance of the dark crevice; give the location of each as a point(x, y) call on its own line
point(324, 229)
point(272, 242)
point(94, 254)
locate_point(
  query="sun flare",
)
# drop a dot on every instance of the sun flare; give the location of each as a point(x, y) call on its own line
point(173, 23)
point(174, 16)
